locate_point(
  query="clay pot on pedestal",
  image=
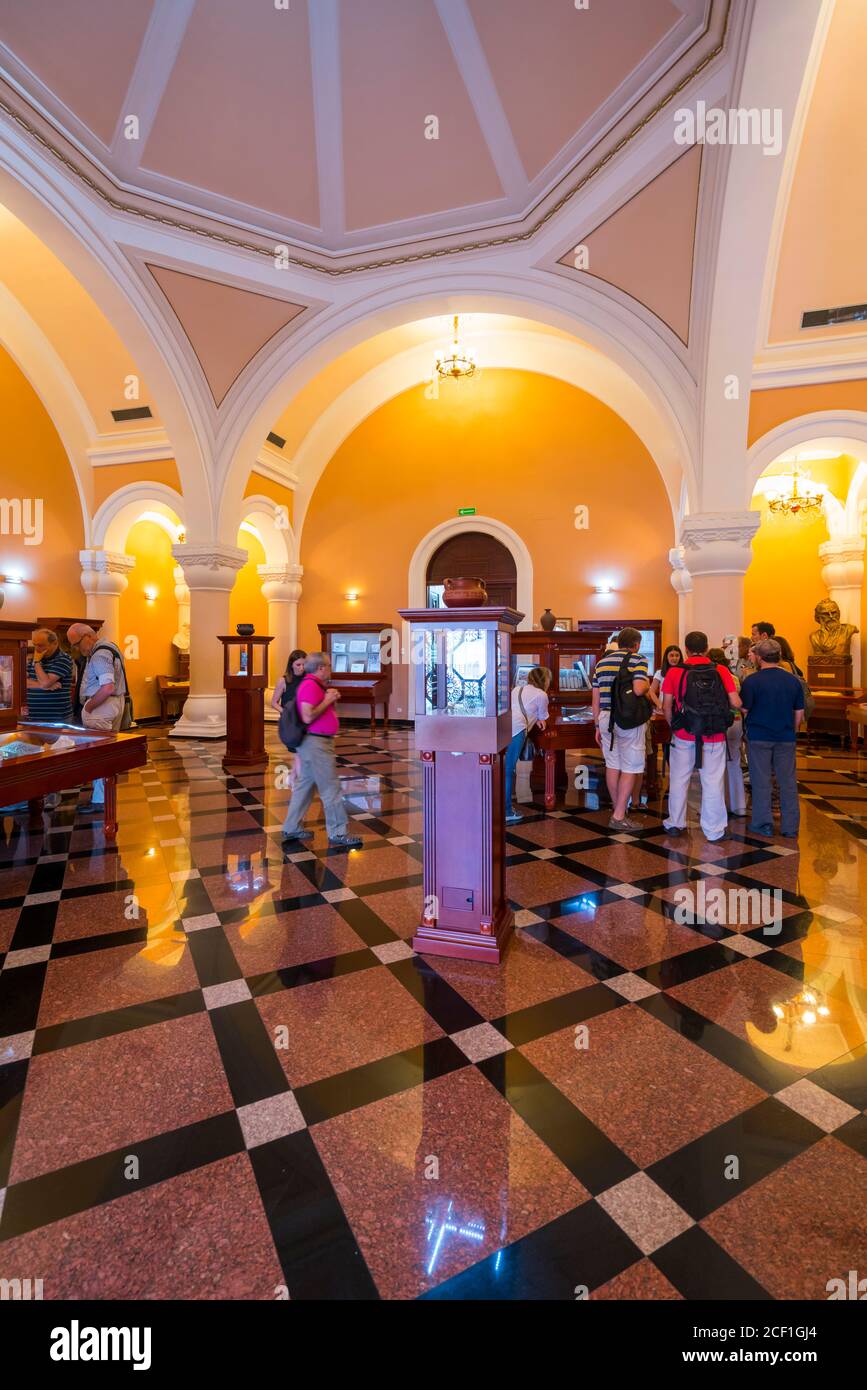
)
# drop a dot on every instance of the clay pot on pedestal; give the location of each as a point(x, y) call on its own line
point(464, 593)
point(547, 621)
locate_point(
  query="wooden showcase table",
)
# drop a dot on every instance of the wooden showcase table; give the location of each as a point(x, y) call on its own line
point(573, 727)
point(30, 768)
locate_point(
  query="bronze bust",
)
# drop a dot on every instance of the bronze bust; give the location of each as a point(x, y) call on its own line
point(832, 640)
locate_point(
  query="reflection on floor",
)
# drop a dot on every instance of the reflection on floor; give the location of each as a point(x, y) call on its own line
point(224, 1073)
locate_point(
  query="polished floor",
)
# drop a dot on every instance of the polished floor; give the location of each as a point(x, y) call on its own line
point(225, 1074)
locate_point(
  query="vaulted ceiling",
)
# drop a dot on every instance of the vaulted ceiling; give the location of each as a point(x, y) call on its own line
point(346, 128)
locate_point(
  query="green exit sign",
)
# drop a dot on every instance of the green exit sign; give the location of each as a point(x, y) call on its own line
point(466, 511)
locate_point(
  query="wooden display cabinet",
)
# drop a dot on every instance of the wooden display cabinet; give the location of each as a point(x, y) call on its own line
point(245, 676)
point(650, 629)
point(14, 641)
point(360, 665)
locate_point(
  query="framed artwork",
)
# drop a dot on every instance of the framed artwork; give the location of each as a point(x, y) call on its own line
point(357, 666)
point(563, 625)
point(340, 663)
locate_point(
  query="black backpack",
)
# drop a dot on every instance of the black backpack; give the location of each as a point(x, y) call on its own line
point(291, 728)
point(704, 707)
point(628, 710)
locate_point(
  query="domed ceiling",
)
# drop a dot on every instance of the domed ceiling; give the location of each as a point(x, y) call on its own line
point(349, 130)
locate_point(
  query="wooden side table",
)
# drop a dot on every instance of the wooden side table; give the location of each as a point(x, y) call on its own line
point(856, 717)
point(171, 690)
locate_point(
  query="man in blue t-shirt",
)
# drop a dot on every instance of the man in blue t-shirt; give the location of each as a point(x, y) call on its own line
point(773, 702)
point(49, 680)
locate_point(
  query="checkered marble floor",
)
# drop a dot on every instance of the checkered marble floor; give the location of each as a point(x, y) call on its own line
point(224, 1072)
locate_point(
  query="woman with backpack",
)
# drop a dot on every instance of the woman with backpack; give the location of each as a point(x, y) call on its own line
point(286, 689)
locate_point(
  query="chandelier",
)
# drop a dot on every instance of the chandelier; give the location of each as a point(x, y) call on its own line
point(800, 501)
point(457, 364)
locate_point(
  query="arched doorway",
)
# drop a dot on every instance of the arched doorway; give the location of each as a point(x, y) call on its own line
point(479, 556)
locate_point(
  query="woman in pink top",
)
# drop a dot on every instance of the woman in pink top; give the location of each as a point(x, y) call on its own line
point(316, 758)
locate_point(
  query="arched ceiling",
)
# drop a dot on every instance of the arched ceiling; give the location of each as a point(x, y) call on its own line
point(312, 124)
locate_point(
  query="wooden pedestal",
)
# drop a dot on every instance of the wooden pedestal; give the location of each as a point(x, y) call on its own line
point(245, 729)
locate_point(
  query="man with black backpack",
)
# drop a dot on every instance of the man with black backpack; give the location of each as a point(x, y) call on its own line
point(621, 708)
point(699, 700)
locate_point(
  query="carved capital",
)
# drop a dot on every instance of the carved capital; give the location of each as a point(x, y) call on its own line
point(209, 566)
point(718, 542)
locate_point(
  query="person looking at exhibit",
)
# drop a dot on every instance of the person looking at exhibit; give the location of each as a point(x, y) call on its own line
point(773, 701)
point(621, 708)
point(49, 680)
point(698, 700)
point(735, 789)
point(529, 711)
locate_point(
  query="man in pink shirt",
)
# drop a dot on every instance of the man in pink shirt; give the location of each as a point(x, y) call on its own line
point(316, 758)
point(696, 699)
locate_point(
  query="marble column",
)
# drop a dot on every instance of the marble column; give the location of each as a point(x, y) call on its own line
point(104, 579)
point(843, 574)
point(717, 550)
point(281, 586)
point(209, 572)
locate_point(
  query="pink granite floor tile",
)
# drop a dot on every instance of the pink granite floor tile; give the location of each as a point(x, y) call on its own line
point(530, 974)
point(264, 943)
point(97, 981)
point(631, 935)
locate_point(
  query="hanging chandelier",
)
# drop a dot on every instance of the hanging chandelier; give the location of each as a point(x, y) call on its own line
point(801, 500)
point(458, 364)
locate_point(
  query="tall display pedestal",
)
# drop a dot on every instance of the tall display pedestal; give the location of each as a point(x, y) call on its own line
point(463, 724)
point(245, 676)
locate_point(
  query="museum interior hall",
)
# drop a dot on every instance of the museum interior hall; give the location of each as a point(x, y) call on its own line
point(400, 400)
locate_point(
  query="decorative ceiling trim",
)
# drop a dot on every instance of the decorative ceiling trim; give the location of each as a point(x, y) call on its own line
point(268, 465)
point(429, 252)
point(130, 446)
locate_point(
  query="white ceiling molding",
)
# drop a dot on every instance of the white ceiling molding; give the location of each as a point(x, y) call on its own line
point(805, 370)
point(324, 21)
point(130, 446)
point(153, 68)
point(269, 464)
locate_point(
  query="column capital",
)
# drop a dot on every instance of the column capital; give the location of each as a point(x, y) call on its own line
point(718, 542)
point(105, 571)
point(843, 549)
point(281, 583)
point(210, 566)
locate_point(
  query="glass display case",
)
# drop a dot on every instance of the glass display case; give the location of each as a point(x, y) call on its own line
point(245, 676)
point(360, 665)
point(461, 667)
point(14, 640)
point(650, 629)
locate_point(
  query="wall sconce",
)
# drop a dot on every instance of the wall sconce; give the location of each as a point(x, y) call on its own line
point(151, 592)
point(11, 579)
point(351, 596)
point(604, 588)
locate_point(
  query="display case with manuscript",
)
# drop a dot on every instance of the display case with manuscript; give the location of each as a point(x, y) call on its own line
point(360, 664)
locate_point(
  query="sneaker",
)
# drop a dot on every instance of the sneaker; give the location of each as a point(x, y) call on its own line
point(674, 829)
point(760, 829)
point(514, 817)
point(625, 824)
point(90, 808)
point(346, 841)
point(298, 835)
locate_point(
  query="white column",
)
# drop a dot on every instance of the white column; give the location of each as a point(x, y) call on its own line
point(843, 574)
point(281, 586)
point(181, 639)
point(717, 550)
point(104, 579)
point(209, 571)
point(681, 583)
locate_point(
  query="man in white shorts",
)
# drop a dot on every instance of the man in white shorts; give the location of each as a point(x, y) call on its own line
point(624, 754)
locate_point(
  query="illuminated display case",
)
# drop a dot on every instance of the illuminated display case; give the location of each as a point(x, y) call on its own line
point(463, 723)
point(360, 665)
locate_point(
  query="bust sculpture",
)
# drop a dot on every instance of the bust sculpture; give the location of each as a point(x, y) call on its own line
point(832, 640)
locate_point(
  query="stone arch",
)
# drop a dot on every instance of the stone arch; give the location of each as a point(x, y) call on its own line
point(274, 528)
point(490, 526)
point(119, 512)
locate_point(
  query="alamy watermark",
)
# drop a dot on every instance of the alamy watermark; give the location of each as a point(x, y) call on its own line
point(22, 516)
point(729, 907)
point(711, 125)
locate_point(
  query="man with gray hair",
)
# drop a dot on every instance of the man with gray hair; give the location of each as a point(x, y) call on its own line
point(773, 702)
point(318, 769)
point(103, 692)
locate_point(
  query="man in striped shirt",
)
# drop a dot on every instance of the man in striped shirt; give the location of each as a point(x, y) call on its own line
point(50, 675)
point(624, 751)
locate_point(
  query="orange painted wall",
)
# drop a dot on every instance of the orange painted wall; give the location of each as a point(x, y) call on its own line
point(34, 465)
point(118, 475)
point(771, 408)
point(523, 448)
point(154, 624)
point(246, 604)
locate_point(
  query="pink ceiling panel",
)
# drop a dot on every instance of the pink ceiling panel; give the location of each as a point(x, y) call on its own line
point(226, 326)
point(82, 50)
point(646, 247)
point(237, 115)
point(398, 69)
point(555, 65)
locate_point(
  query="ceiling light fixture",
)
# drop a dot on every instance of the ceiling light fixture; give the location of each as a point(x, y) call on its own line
point(795, 499)
point(459, 363)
